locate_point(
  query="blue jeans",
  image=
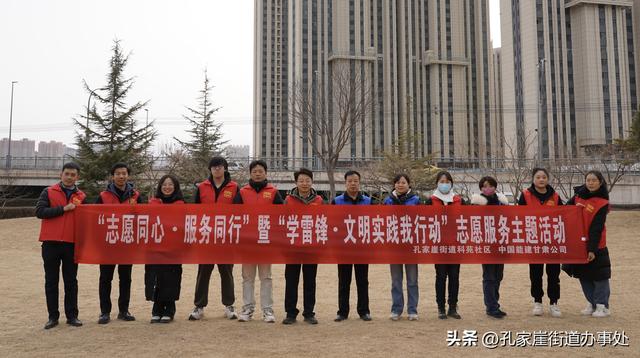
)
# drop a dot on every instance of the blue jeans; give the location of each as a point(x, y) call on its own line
point(596, 292)
point(491, 278)
point(412, 288)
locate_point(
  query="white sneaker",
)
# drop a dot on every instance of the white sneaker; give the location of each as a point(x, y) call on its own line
point(587, 311)
point(413, 316)
point(600, 312)
point(394, 316)
point(196, 314)
point(246, 315)
point(555, 311)
point(537, 309)
point(268, 316)
point(230, 312)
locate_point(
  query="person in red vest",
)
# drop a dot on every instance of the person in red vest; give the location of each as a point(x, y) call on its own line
point(257, 192)
point(303, 194)
point(594, 276)
point(540, 193)
point(443, 195)
point(217, 189)
point(119, 191)
point(165, 284)
point(55, 207)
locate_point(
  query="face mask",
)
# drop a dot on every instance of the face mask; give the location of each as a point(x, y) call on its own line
point(488, 191)
point(444, 188)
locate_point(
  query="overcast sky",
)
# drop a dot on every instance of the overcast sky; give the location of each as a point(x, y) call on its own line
point(49, 47)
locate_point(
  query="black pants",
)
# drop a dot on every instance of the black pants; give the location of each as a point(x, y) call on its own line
point(106, 276)
point(55, 253)
point(344, 288)
point(164, 308)
point(442, 272)
point(491, 277)
point(553, 282)
point(202, 285)
point(292, 278)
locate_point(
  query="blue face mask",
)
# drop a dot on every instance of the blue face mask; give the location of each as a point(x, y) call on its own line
point(444, 188)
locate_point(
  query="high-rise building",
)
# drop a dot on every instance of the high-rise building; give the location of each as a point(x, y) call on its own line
point(568, 72)
point(428, 65)
point(24, 148)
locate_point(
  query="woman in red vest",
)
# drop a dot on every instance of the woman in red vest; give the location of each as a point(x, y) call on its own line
point(594, 276)
point(443, 195)
point(165, 283)
point(302, 195)
point(540, 193)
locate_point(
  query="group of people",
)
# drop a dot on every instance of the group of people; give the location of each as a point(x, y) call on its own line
point(163, 282)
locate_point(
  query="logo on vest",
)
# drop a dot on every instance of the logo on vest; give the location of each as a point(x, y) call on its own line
point(227, 194)
point(132, 201)
point(589, 208)
point(76, 201)
point(266, 195)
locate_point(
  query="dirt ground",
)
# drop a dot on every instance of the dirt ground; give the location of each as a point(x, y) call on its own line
point(23, 312)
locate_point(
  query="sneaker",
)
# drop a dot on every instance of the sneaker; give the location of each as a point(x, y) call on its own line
point(197, 314)
point(166, 319)
point(155, 319)
point(268, 316)
point(600, 312)
point(413, 316)
point(246, 315)
point(537, 309)
point(230, 312)
point(394, 316)
point(453, 312)
point(555, 310)
point(442, 314)
point(587, 311)
point(366, 317)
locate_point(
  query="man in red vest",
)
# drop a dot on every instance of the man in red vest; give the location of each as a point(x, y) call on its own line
point(217, 189)
point(257, 192)
point(119, 192)
point(55, 207)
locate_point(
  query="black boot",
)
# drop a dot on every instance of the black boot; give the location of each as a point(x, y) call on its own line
point(453, 313)
point(442, 314)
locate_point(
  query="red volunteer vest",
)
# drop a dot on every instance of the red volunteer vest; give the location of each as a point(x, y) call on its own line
point(437, 202)
point(208, 194)
point(533, 200)
point(293, 201)
point(591, 208)
point(156, 201)
point(60, 228)
point(110, 198)
point(265, 196)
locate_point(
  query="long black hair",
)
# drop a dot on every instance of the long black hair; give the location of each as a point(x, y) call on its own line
point(597, 174)
point(177, 192)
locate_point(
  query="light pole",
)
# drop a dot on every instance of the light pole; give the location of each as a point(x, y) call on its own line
point(541, 78)
point(10, 127)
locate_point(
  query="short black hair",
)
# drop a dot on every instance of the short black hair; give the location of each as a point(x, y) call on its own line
point(119, 165)
point(72, 166)
point(255, 163)
point(491, 180)
point(400, 176)
point(350, 173)
point(216, 161)
point(538, 169)
point(303, 171)
point(445, 174)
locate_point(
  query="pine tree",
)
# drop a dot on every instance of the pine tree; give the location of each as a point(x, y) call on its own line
point(112, 134)
point(205, 135)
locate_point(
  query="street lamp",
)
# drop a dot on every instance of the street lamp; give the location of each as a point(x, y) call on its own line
point(10, 126)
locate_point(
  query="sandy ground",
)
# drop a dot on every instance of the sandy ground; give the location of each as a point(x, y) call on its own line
point(23, 312)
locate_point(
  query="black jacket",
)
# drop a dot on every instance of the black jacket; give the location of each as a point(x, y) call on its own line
point(43, 206)
point(600, 268)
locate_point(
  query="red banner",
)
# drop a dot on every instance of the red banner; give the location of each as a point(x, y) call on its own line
point(190, 234)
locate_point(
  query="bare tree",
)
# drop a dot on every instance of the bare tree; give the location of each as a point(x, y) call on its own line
point(616, 159)
point(516, 165)
point(329, 116)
